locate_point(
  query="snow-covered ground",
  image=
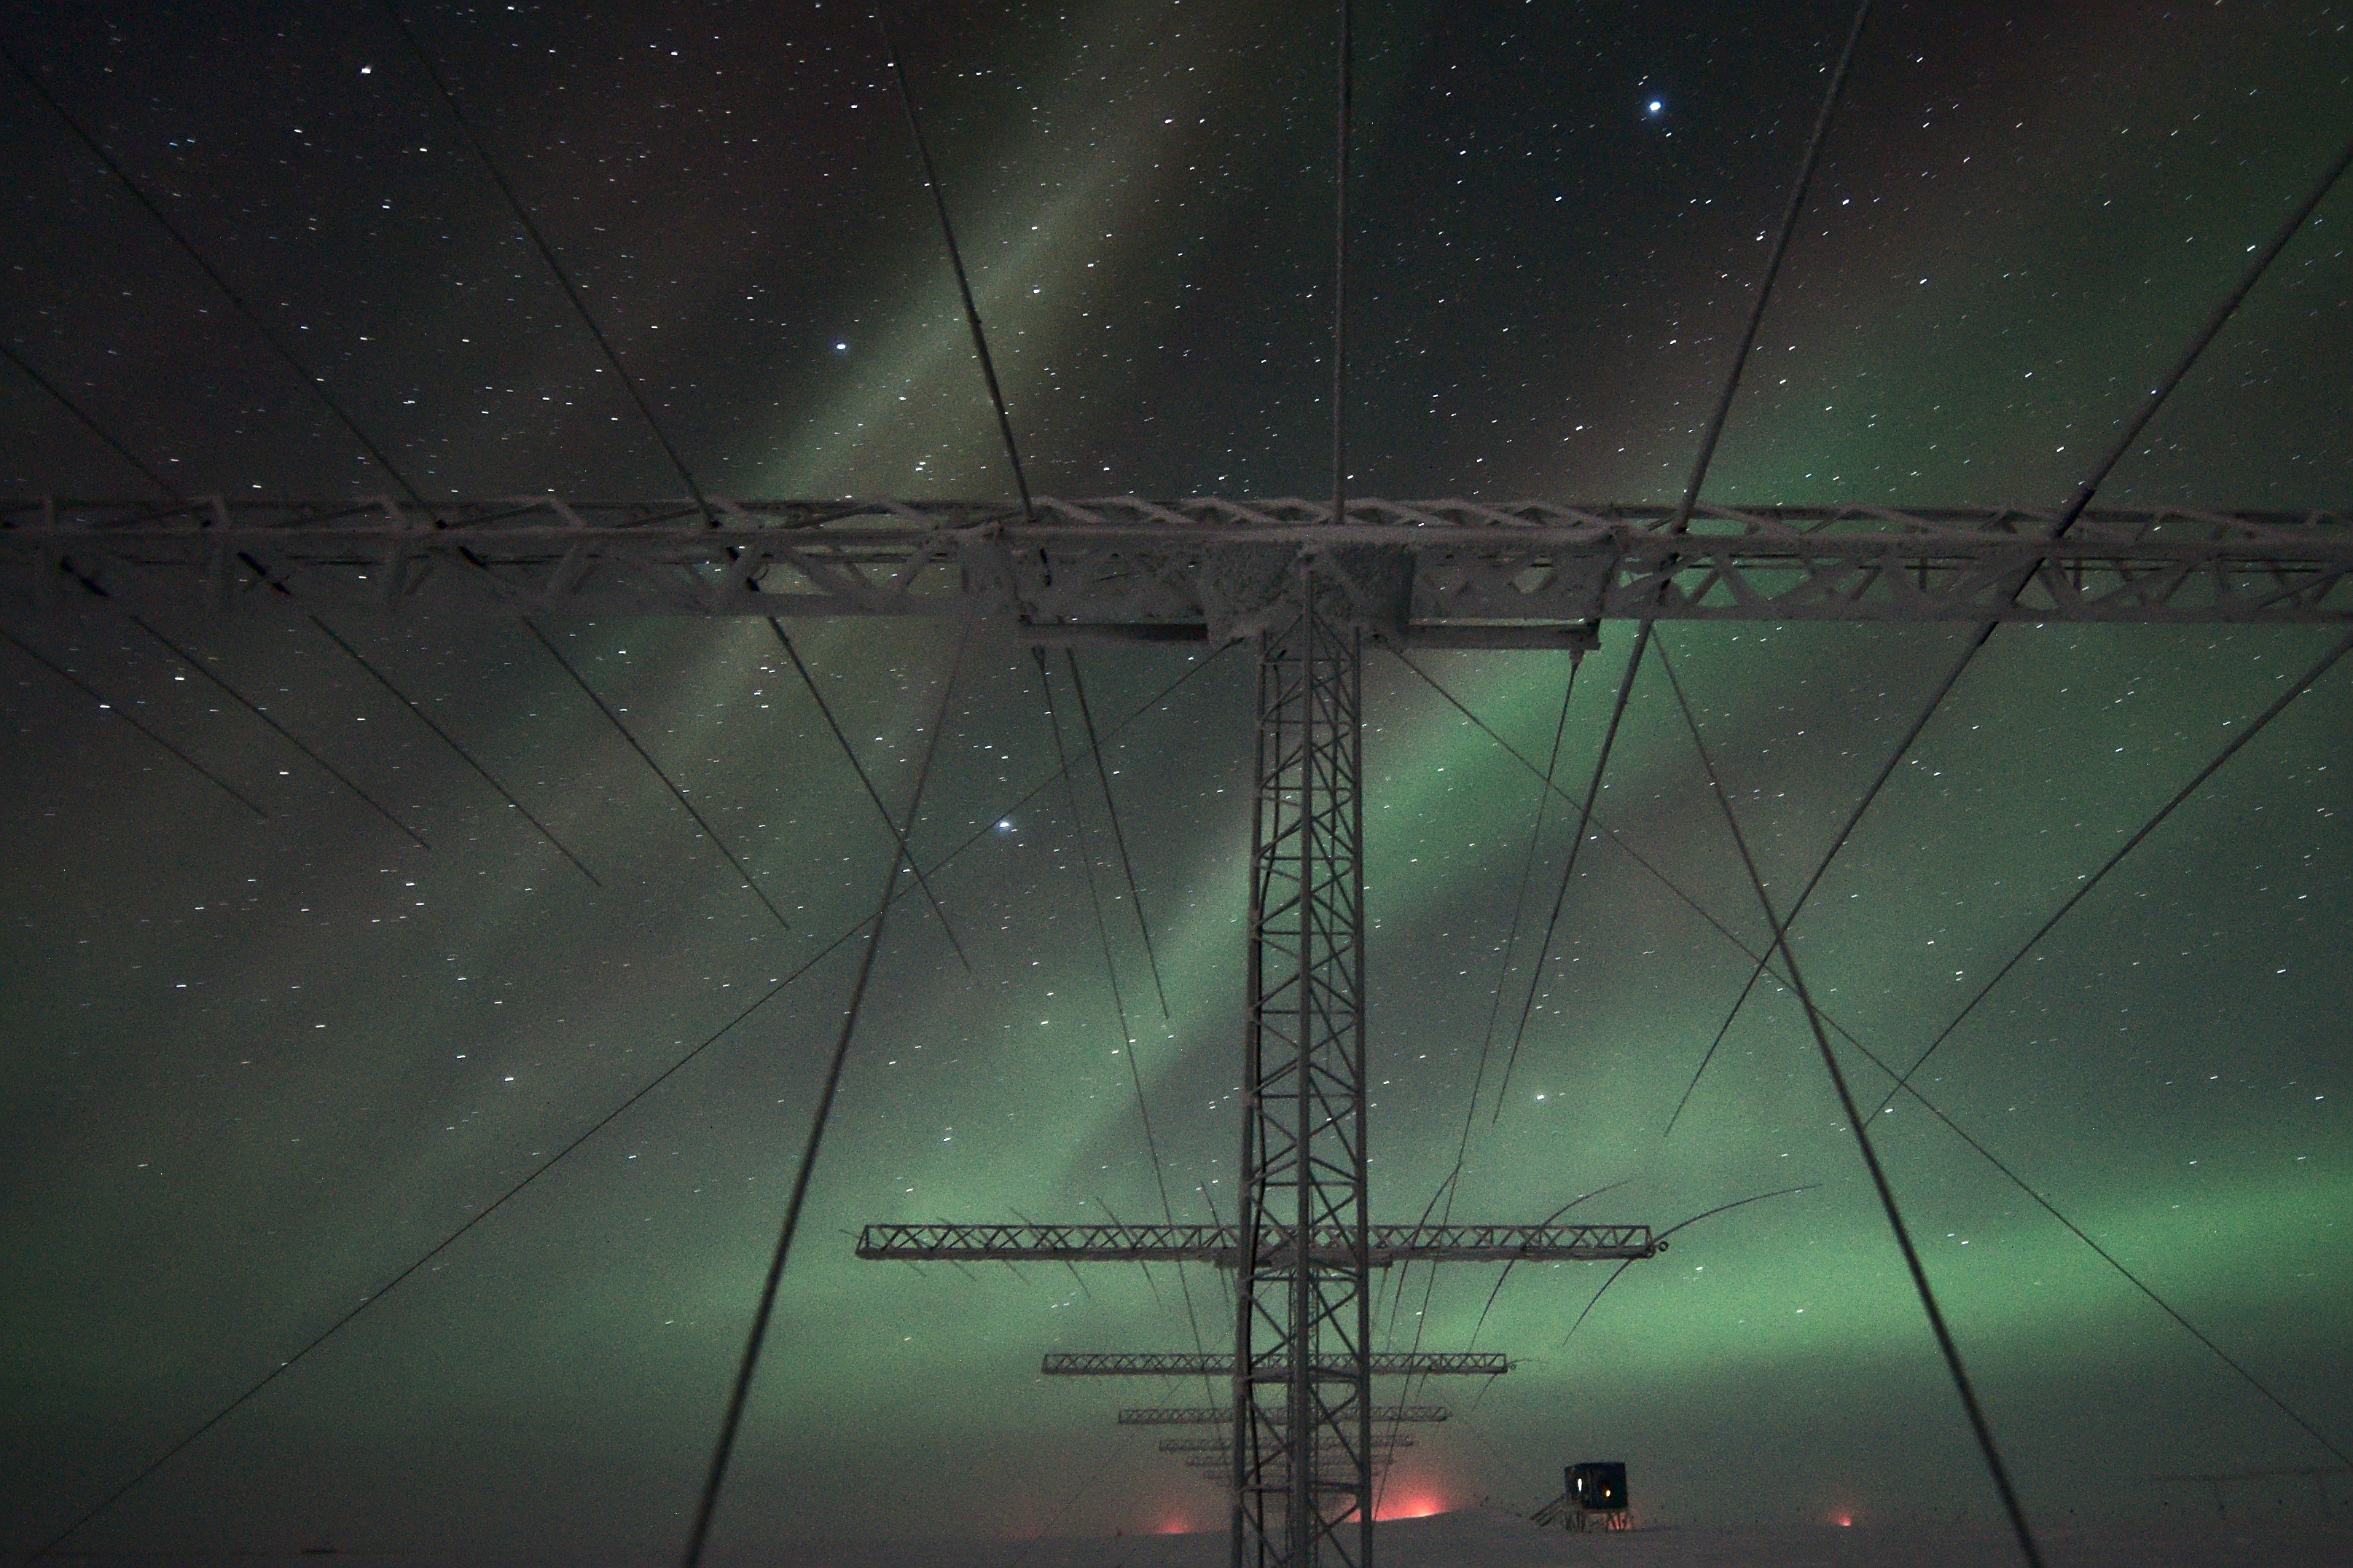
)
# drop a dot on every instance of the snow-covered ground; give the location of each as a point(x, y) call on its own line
point(1484, 1539)
point(1479, 1537)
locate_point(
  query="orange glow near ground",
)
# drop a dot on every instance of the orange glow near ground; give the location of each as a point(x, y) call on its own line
point(1173, 1525)
point(1844, 1519)
point(1417, 1505)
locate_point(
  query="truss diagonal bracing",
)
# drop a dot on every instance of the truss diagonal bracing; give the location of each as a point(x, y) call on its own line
point(1219, 1416)
point(1180, 1363)
point(1386, 1245)
point(1525, 574)
point(1303, 1436)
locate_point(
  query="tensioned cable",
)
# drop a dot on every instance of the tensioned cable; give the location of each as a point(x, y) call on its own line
point(1790, 216)
point(2071, 513)
point(956, 260)
point(2077, 1231)
point(463, 754)
point(1103, 928)
point(2207, 333)
point(62, 673)
point(1341, 137)
point(1111, 809)
point(1946, 1343)
point(447, 1242)
point(1118, 997)
point(598, 1126)
point(1568, 870)
point(1846, 831)
point(1450, 1187)
point(1509, 1264)
point(1588, 819)
point(2229, 750)
point(1519, 903)
point(57, 395)
point(548, 254)
point(732, 1423)
point(1628, 1263)
point(1764, 962)
point(647, 757)
point(1421, 1319)
point(283, 732)
point(317, 385)
point(826, 710)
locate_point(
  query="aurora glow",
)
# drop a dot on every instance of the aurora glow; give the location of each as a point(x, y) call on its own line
point(255, 1068)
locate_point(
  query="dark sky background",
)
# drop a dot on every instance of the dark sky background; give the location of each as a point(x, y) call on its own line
point(255, 1066)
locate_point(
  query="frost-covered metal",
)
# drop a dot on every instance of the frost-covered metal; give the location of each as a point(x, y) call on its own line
point(1530, 573)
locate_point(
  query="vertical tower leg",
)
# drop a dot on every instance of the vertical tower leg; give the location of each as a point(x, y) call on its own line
point(1303, 1404)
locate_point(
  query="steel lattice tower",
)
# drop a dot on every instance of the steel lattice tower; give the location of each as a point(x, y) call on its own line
point(1302, 1387)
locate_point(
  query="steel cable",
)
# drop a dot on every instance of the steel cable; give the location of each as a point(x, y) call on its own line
point(285, 734)
point(1945, 1345)
point(1763, 962)
point(1111, 809)
point(317, 385)
point(956, 260)
point(668, 782)
point(548, 254)
point(2068, 516)
point(1118, 997)
point(825, 709)
point(677, 1065)
point(62, 673)
point(732, 1424)
point(463, 754)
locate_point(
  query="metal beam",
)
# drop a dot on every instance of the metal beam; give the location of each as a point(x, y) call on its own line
point(1523, 574)
point(1185, 1363)
point(1388, 1243)
point(1380, 1465)
point(1220, 1445)
point(1221, 1416)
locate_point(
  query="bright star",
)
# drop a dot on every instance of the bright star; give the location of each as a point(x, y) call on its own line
point(1656, 106)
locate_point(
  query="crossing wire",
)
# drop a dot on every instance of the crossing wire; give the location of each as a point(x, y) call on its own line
point(2232, 749)
point(1342, 135)
point(1791, 215)
point(1118, 998)
point(1519, 902)
point(548, 254)
point(724, 1450)
point(1764, 961)
point(451, 741)
point(1111, 809)
point(1945, 1345)
point(529, 1177)
point(647, 757)
point(317, 385)
point(1788, 230)
point(1568, 870)
point(1450, 1187)
point(62, 673)
point(825, 709)
point(57, 395)
point(1595, 1299)
point(192, 662)
point(2210, 328)
point(956, 260)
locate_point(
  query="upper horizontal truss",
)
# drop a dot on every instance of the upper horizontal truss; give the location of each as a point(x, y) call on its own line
point(1522, 575)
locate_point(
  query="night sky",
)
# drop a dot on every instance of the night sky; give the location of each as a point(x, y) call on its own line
point(254, 1066)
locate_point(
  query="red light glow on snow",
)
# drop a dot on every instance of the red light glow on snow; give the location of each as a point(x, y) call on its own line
point(1415, 1505)
point(1844, 1521)
point(1175, 1525)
